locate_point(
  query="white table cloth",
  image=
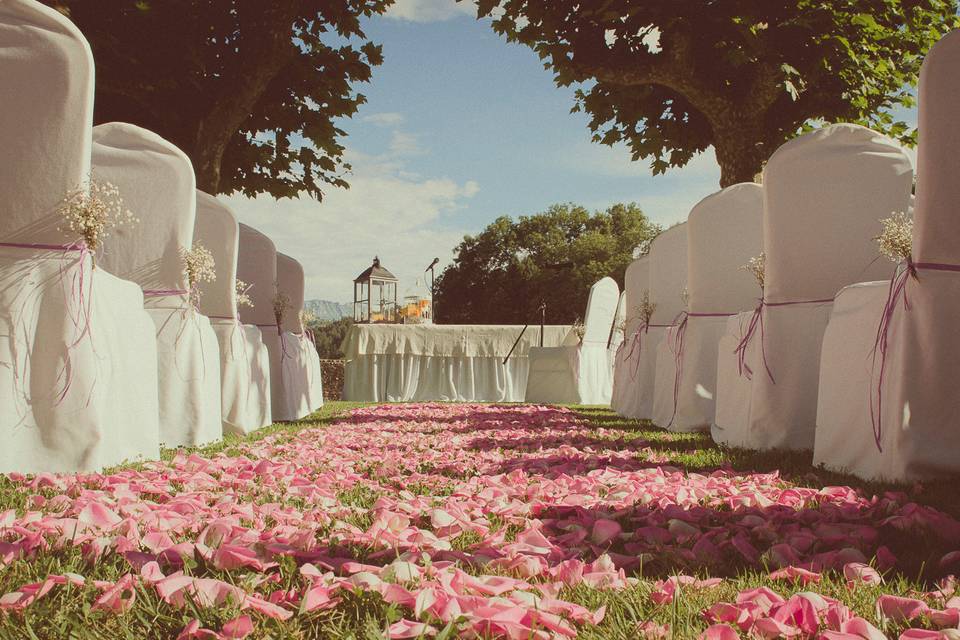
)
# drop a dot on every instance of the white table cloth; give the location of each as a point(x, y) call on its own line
point(78, 361)
point(244, 360)
point(455, 363)
point(724, 231)
point(911, 432)
point(824, 194)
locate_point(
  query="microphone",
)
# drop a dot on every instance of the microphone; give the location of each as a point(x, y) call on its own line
point(432, 264)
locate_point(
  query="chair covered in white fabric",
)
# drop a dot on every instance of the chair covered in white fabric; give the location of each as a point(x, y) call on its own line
point(579, 374)
point(78, 362)
point(915, 409)
point(301, 362)
point(257, 266)
point(724, 231)
point(628, 398)
point(244, 360)
point(157, 183)
point(668, 281)
point(824, 194)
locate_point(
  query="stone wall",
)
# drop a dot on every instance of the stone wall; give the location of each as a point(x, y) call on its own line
point(332, 379)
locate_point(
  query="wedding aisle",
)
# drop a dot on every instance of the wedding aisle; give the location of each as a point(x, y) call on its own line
point(459, 520)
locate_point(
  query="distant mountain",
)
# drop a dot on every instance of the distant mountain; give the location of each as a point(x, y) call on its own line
point(327, 311)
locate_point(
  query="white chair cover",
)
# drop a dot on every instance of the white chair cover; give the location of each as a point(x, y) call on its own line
point(916, 413)
point(629, 399)
point(824, 194)
point(157, 183)
point(668, 279)
point(257, 266)
point(302, 364)
point(78, 370)
point(724, 231)
point(578, 374)
point(244, 360)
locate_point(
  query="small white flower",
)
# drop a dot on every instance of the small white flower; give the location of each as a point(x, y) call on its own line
point(896, 236)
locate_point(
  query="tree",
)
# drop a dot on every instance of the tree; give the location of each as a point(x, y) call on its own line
point(502, 275)
point(329, 336)
point(249, 89)
point(672, 77)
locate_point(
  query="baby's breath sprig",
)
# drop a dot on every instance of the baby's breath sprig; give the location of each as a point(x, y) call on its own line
point(199, 266)
point(92, 210)
point(243, 294)
point(579, 329)
point(896, 236)
point(646, 308)
point(757, 266)
point(281, 302)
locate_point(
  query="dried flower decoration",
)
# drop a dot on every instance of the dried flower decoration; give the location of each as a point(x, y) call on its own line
point(757, 266)
point(896, 237)
point(646, 308)
point(281, 302)
point(92, 210)
point(199, 266)
point(243, 294)
point(579, 329)
point(307, 317)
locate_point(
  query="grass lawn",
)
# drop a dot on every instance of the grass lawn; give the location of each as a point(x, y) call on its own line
point(406, 498)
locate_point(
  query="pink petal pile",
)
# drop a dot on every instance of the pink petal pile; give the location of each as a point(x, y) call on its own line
point(477, 516)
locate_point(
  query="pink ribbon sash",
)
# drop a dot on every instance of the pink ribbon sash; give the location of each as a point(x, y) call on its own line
point(756, 321)
point(636, 345)
point(676, 335)
point(79, 298)
point(896, 291)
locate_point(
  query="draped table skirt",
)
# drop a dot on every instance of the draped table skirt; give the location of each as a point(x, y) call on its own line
point(451, 363)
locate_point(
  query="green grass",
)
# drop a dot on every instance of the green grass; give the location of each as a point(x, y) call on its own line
point(66, 612)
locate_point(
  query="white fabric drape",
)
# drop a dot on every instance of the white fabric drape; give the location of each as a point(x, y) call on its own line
point(157, 181)
point(668, 279)
point(413, 363)
point(257, 266)
point(589, 375)
point(629, 399)
point(244, 362)
point(915, 409)
point(78, 368)
point(724, 231)
point(824, 194)
point(297, 365)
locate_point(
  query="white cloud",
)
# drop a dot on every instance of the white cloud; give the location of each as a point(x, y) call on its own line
point(386, 212)
point(405, 144)
point(384, 119)
point(430, 10)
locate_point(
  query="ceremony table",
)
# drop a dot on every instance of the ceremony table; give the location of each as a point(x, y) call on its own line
point(455, 363)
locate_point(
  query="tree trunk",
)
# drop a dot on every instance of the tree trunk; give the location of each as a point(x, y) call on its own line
point(740, 154)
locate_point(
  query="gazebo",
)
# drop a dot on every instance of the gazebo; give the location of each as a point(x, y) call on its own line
point(375, 295)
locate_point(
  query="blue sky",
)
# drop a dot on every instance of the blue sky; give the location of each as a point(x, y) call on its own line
point(459, 128)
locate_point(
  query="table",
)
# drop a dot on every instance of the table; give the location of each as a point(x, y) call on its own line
point(452, 363)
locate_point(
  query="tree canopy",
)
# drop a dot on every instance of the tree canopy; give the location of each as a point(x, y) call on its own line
point(671, 77)
point(501, 275)
point(249, 89)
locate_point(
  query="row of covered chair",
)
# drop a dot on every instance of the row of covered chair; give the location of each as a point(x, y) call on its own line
point(107, 356)
point(840, 351)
